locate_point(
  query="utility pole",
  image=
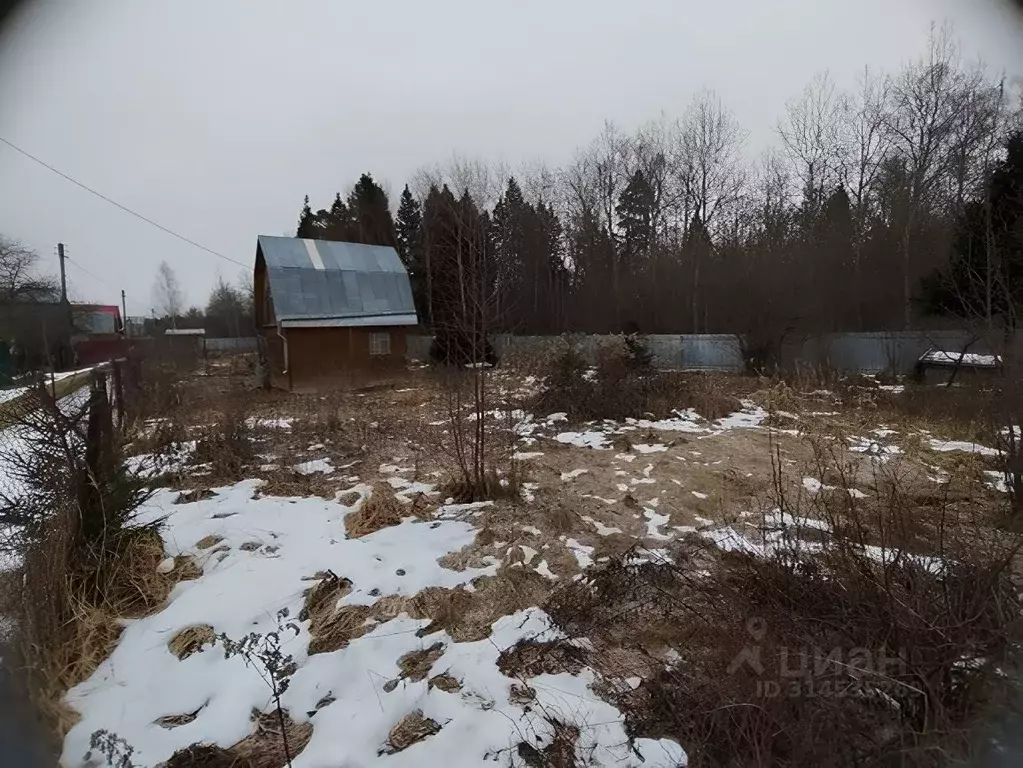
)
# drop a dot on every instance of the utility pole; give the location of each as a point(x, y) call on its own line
point(124, 314)
point(64, 353)
point(63, 276)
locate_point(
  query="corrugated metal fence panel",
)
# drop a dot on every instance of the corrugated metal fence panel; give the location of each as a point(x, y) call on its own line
point(895, 351)
point(241, 344)
point(712, 352)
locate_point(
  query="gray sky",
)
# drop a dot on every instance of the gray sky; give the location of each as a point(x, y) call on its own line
point(215, 117)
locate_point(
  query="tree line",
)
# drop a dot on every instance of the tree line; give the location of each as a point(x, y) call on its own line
point(851, 223)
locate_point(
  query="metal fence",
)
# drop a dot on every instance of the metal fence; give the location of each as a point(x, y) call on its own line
point(232, 345)
point(894, 351)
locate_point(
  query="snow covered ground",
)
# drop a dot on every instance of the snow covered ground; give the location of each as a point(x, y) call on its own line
point(258, 557)
point(628, 485)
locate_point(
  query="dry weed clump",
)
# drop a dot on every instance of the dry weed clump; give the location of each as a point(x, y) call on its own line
point(416, 665)
point(411, 729)
point(381, 509)
point(888, 632)
point(322, 600)
point(191, 640)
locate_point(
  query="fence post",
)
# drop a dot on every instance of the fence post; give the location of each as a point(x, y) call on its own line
point(117, 380)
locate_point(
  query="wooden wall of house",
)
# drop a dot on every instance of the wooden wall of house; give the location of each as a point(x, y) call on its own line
point(332, 357)
point(272, 347)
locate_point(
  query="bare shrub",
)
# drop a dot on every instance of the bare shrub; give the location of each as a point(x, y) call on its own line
point(227, 444)
point(966, 413)
point(624, 384)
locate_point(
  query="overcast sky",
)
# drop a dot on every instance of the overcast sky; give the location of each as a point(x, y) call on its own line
point(215, 117)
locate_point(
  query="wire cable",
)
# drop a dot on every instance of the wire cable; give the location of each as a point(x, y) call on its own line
point(116, 204)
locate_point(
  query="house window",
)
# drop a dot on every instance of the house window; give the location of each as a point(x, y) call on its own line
point(380, 343)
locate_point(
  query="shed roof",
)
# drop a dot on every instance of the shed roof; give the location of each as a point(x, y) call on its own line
point(323, 282)
point(950, 359)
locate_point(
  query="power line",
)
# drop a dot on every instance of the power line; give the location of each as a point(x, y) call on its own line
point(90, 274)
point(124, 208)
point(94, 276)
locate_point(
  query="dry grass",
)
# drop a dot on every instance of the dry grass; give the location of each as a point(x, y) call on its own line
point(898, 628)
point(264, 748)
point(191, 640)
point(410, 730)
point(528, 659)
point(65, 635)
point(445, 682)
point(207, 542)
point(560, 753)
point(332, 626)
point(171, 722)
point(338, 629)
point(381, 510)
point(416, 665)
point(468, 616)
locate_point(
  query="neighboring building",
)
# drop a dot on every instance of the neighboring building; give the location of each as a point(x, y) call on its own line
point(98, 333)
point(330, 313)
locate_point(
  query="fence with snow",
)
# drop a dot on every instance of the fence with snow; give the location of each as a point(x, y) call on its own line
point(893, 352)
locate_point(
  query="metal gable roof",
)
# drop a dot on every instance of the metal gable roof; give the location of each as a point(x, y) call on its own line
point(314, 280)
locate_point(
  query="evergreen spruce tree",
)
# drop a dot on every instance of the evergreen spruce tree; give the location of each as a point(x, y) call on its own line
point(635, 218)
point(409, 236)
point(306, 221)
point(370, 211)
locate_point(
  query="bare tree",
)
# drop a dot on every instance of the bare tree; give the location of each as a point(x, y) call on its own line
point(710, 173)
point(19, 280)
point(168, 298)
point(810, 135)
point(930, 99)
